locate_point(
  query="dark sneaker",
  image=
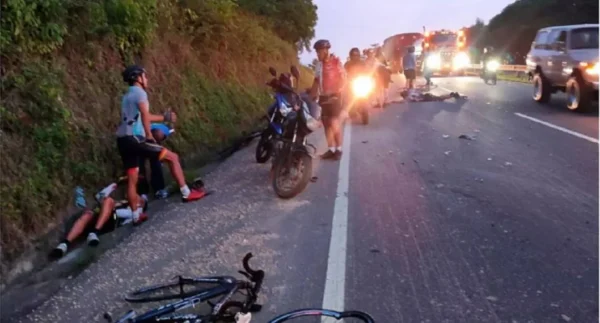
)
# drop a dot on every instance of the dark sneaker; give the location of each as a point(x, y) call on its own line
point(338, 155)
point(195, 195)
point(92, 239)
point(59, 251)
point(328, 155)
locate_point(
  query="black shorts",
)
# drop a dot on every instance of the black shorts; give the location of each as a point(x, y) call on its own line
point(410, 74)
point(111, 224)
point(331, 105)
point(133, 148)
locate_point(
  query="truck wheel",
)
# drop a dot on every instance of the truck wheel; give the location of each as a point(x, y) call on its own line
point(541, 89)
point(579, 97)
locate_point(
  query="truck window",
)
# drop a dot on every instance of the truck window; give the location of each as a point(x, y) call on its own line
point(541, 40)
point(584, 38)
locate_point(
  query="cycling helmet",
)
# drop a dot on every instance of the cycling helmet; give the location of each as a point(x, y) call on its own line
point(322, 44)
point(131, 73)
point(355, 51)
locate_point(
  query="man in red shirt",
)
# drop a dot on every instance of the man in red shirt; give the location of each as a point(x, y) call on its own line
point(330, 78)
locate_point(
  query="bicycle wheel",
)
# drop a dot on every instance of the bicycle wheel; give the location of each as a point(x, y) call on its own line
point(182, 288)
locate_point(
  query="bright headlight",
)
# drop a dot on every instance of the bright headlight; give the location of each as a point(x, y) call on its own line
point(434, 61)
point(461, 60)
point(492, 66)
point(362, 86)
point(594, 69)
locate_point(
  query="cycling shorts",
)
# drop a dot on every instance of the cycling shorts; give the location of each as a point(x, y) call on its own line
point(133, 148)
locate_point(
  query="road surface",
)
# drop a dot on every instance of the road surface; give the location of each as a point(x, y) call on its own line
point(428, 227)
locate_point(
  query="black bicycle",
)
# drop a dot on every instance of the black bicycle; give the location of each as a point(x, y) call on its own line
point(364, 317)
point(191, 293)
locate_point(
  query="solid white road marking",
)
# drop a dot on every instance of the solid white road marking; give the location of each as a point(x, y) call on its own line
point(335, 280)
point(565, 130)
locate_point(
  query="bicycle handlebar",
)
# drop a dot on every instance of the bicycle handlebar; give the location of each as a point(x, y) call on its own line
point(323, 312)
point(255, 276)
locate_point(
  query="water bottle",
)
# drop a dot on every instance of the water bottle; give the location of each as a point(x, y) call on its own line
point(80, 198)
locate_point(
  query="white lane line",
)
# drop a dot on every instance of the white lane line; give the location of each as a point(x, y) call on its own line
point(565, 130)
point(335, 281)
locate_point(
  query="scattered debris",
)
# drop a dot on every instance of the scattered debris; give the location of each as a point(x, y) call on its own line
point(477, 130)
point(489, 158)
point(447, 152)
point(446, 136)
point(507, 164)
point(439, 185)
point(510, 138)
point(365, 141)
point(492, 298)
point(374, 250)
point(467, 137)
point(566, 318)
point(553, 304)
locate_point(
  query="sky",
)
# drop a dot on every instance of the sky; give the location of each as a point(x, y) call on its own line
point(360, 23)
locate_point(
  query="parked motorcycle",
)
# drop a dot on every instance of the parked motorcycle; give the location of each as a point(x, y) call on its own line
point(490, 71)
point(292, 162)
point(362, 88)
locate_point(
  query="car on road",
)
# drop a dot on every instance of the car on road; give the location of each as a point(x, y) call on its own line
point(565, 58)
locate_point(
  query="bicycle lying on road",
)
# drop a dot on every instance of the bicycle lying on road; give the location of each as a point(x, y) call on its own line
point(225, 286)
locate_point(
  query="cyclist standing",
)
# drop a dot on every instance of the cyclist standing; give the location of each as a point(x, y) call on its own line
point(329, 82)
point(135, 139)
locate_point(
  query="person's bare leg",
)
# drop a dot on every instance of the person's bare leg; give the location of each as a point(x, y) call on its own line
point(132, 196)
point(337, 133)
point(329, 135)
point(175, 167)
point(80, 225)
point(105, 212)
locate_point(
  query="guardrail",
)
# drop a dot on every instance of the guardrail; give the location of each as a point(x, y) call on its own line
point(508, 68)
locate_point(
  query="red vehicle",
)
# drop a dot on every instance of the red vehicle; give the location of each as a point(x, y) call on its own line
point(395, 47)
point(448, 51)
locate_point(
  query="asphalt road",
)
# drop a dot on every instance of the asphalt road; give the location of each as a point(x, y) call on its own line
point(429, 227)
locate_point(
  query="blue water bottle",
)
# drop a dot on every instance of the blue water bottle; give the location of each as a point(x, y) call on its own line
point(80, 198)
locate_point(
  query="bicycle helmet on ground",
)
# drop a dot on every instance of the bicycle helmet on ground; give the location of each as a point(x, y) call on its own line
point(131, 73)
point(322, 44)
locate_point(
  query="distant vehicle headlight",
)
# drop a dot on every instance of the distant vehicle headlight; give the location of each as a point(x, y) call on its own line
point(461, 60)
point(593, 69)
point(434, 61)
point(492, 65)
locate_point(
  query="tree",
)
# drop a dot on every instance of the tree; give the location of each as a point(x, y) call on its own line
point(293, 20)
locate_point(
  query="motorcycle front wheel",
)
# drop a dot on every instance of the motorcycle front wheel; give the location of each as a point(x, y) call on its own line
point(291, 178)
point(264, 149)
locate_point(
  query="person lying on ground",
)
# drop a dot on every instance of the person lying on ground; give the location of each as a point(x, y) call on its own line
point(160, 132)
point(414, 95)
point(105, 217)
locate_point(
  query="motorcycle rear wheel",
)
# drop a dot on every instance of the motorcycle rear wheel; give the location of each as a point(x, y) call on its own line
point(298, 159)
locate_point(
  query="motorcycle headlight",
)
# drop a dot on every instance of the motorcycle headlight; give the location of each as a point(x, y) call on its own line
point(461, 60)
point(362, 86)
point(434, 61)
point(492, 66)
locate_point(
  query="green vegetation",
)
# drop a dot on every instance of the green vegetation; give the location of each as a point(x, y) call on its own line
point(514, 29)
point(61, 85)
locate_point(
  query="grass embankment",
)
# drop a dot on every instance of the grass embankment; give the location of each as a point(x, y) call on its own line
point(61, 88)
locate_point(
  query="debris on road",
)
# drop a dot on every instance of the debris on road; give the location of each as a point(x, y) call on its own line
point(467, 137)
point(445, 136)
point(477, 130)
point(566, 318)
point(365, 141)
point(489, 158)
point(492, 298)
point(447, 152)
point(507, 164)
point(439, 185)
point(375, 250)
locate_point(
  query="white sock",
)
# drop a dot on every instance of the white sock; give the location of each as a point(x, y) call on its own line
point(339, 148)
point(332, 149)
point(185, 191)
